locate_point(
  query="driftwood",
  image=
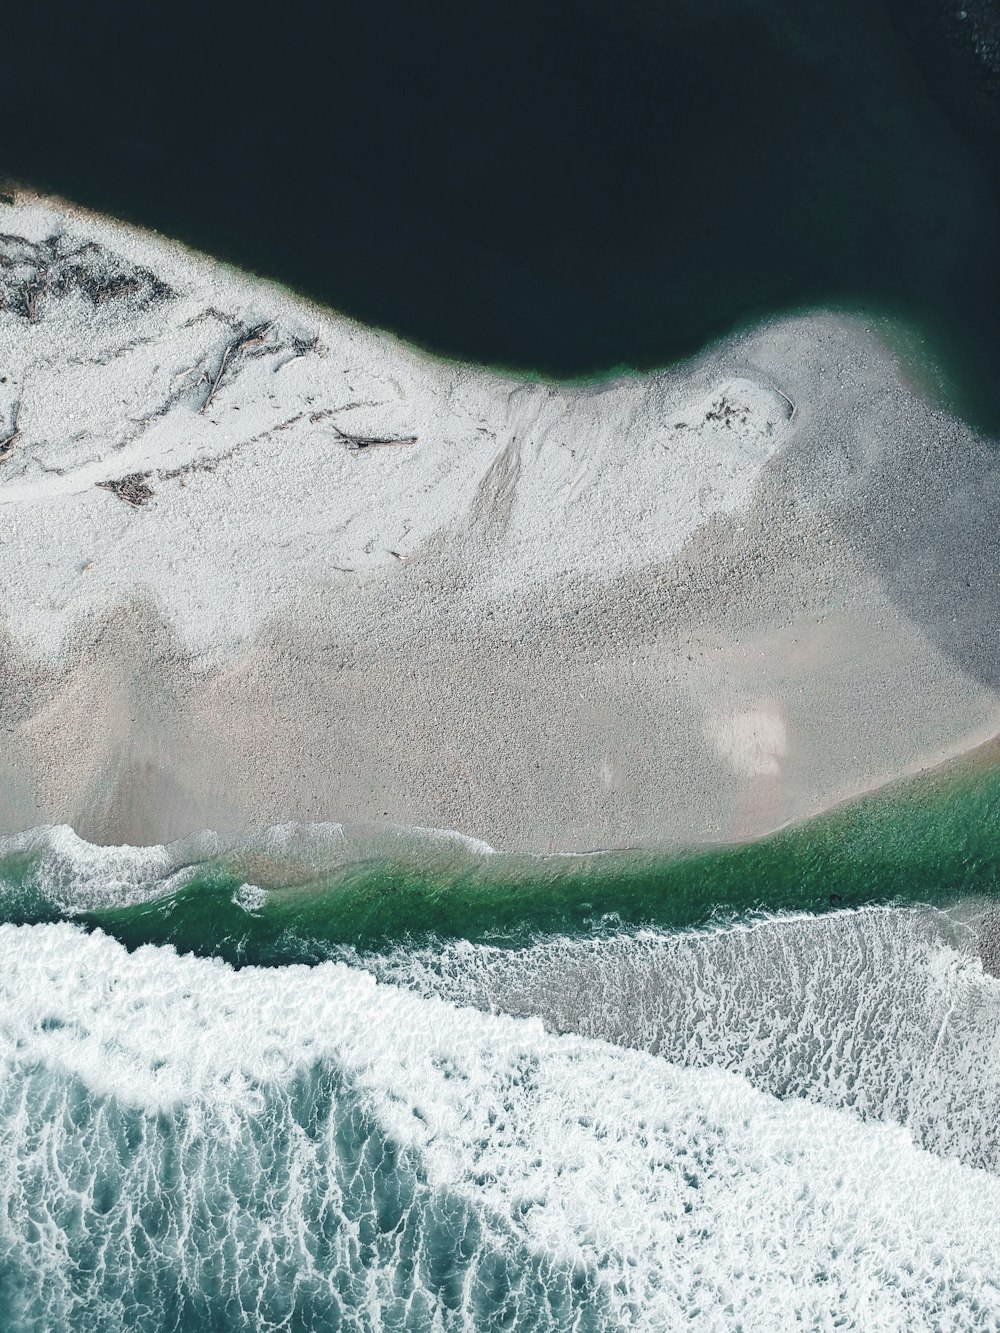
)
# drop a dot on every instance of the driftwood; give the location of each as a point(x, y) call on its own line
point(725, 412)
point(131, 488)
point(7, 444)
point(789, 402)
point(251, 338)
point(355, 443)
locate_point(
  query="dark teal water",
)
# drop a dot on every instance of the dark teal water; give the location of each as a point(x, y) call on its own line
point(563, 186)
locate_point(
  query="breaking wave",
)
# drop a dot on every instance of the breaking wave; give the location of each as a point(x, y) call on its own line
point(190, 1145)
point(887, 1012)
point(333, 1078)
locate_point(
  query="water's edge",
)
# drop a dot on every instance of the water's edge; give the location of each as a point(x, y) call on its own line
point(300, 893)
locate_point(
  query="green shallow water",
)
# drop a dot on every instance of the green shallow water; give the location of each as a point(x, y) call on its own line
point(933, 840)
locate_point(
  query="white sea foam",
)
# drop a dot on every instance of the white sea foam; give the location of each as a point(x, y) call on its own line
point(672, 1196)
point(251, 897)
point(886, 1011)
point(75, 875)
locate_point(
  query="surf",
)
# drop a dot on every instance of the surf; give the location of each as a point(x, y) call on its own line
point(336, 1076)
point(297, 1145)
point(304, 892)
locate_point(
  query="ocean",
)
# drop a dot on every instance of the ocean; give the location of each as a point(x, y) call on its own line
point(332, 1079)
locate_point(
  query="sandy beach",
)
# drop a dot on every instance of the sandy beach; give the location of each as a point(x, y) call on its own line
point(262, 564)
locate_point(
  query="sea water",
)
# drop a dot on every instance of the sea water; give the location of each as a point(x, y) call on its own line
point(193, 1146)
point(563, 187)
point(242, 1114)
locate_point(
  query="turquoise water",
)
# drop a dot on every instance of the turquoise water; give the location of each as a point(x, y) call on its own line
point(319, 1081)
point(302, 893)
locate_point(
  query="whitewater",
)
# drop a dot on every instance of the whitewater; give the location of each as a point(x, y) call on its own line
point(648, 1131)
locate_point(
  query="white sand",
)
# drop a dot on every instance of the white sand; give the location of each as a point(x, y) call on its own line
point(559, 482)
point(566, 616)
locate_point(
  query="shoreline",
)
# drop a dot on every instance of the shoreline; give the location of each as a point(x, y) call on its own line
point(661, 609)
point(305, 893)
point(916, 344)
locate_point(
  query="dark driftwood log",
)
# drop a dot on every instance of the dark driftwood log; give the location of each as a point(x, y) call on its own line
point(249, 338)
point(355, 443)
